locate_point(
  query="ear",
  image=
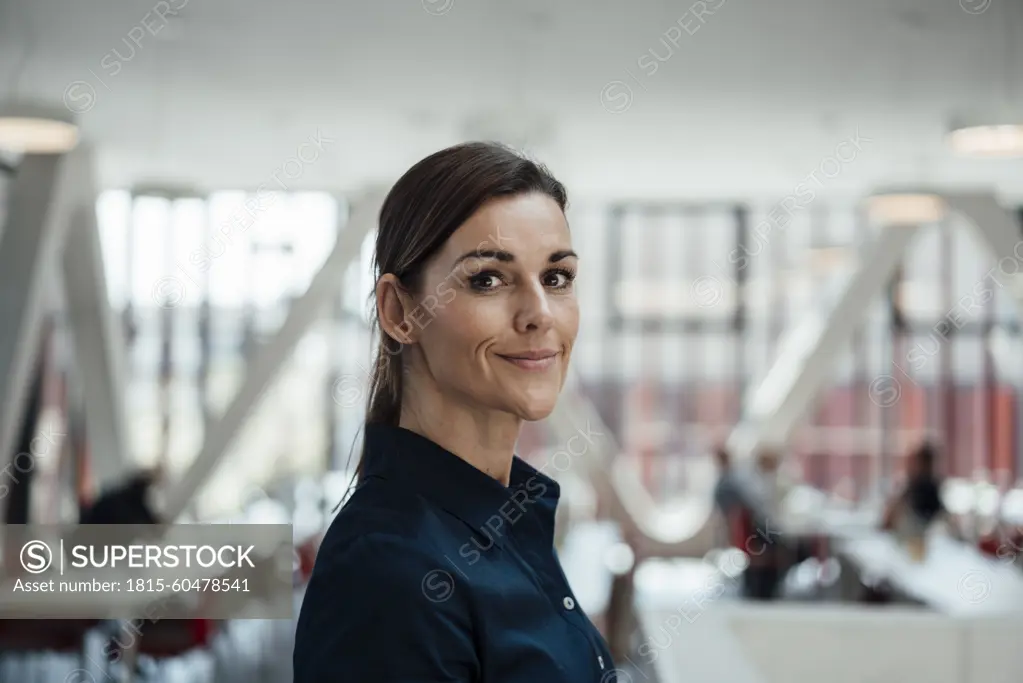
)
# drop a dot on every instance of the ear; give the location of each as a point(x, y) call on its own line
point(396, 310)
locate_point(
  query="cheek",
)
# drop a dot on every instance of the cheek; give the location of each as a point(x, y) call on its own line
point(566, 315)
point(458, 329)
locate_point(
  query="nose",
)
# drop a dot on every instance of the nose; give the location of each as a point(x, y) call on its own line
point(534, 311)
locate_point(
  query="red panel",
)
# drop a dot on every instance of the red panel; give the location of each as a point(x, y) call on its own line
point(973, 437)
point(1003, 436)
point(914, 398)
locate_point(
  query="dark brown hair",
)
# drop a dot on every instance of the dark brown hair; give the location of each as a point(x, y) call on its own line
point(427, 204)
point(926, 457)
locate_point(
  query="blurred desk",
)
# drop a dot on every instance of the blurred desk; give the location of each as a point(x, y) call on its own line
point(834, 523)
point(953, 578)
point(688, 635)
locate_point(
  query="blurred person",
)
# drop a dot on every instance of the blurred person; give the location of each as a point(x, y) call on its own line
point(131, 501)
point(771, 483)
point(757, 487)
point(128, 502)
point(738, 497)
point(914, 508)
point(441, 565)
point(729, 493)
point(771, 557)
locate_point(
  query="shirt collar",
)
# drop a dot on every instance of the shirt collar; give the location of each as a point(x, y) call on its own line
point(403, 456)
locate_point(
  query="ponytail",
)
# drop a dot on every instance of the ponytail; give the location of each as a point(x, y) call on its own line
point(385, 386)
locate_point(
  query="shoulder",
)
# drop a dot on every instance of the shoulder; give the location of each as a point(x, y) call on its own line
point(382, 511)
point(359, 545)
point(379, 540)
point(377, 593)
point(379, 575)
point(381, 570)
point(378, 582)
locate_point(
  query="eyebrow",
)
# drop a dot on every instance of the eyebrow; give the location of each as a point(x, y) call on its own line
point(508, 257)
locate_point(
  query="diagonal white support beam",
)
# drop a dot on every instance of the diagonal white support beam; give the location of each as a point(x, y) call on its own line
point(575, 420)
point(268, 360)
point(774, 406)
point(43, 189)
point(1000, 232)
point(98, 344)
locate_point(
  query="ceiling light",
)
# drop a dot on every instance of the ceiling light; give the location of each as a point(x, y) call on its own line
point(998, 140)
point(901, 208)
point(37, 129)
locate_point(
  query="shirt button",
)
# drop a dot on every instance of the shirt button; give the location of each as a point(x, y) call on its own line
point(568, 602)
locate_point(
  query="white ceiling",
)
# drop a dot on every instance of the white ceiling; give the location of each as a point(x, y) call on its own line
point(746, 106)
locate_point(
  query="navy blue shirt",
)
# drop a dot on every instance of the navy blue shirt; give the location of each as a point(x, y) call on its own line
point(434, 571)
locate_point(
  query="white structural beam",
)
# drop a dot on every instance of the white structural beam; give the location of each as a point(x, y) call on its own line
point(266, 363)
point(43, 188)
point(98, 345)
point(576, 423)
point(1000, 232)
point(774, 406)
point(1007, 355)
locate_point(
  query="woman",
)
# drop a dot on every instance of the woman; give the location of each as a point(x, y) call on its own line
point(441, 566)
point(918, 504)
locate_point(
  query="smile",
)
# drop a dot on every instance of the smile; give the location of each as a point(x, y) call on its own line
point(533, 362)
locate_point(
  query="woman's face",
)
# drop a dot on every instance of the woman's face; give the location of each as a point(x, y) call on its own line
point(497, 316)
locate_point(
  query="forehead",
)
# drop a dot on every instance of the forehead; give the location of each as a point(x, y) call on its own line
point(519, 224)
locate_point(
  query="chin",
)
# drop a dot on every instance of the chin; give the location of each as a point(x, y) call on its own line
point(533, 415)
point(536, 408)
point(528, 401)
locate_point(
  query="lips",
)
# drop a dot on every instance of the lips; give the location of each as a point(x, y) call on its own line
point(536, 361)
point(539, 354)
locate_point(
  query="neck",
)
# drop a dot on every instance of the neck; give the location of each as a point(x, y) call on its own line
point(483, 437)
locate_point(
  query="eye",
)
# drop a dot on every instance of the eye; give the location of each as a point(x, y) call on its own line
point(559, 278)
point(485, 281)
